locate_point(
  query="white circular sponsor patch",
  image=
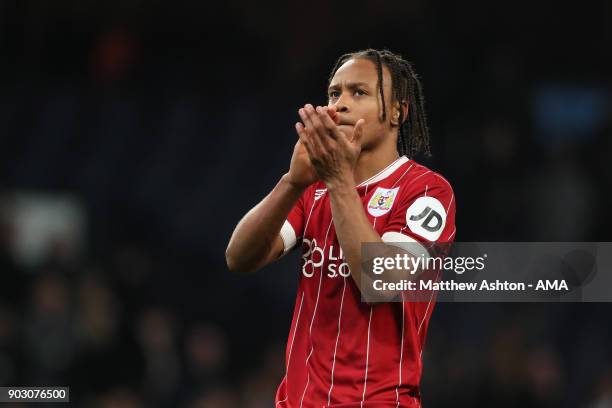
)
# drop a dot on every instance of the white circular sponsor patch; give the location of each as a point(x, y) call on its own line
point(426, 217)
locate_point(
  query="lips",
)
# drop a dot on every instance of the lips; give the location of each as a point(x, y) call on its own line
point(344, 122)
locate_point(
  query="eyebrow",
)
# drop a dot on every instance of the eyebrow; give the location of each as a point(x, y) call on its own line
point(349, 85)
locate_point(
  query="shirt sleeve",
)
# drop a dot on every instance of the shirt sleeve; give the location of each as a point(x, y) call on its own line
point(293, 228)
point(424, 214)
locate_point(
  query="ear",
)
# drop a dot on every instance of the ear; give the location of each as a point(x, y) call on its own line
point(397, 108)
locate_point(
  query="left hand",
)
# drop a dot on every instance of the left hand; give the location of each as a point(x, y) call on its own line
point(331, 152)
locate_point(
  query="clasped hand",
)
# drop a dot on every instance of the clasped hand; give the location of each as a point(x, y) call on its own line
point(332, 152)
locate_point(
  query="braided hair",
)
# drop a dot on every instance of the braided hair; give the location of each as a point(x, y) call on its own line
point(413, 135)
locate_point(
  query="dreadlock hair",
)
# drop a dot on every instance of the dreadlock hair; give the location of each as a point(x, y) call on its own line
point(413, 135)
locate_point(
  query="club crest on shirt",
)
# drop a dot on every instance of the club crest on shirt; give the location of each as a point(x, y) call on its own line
point(382, 200)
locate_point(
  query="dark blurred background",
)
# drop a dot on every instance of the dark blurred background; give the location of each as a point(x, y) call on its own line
point(134, 135)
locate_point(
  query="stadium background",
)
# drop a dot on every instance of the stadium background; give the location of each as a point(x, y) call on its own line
point(134, 135)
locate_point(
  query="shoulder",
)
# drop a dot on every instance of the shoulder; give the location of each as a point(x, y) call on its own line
point(425, 208)
point(418, 177)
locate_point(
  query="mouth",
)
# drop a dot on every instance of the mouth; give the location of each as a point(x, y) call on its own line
point(343, 121)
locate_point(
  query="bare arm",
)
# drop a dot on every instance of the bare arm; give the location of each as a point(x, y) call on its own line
point(352, 228)
point(255, 241)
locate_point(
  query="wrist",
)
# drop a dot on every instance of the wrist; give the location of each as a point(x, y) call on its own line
point(293, 187)
point(341, 184)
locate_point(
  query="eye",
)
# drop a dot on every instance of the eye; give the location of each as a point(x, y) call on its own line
point(360, 92)
point(333, 94)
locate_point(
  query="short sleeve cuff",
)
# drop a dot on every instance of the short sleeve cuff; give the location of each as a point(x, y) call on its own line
point(287, 234)
point(405, 242)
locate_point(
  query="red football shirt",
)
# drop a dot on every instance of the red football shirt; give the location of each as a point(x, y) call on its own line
point(342, 352)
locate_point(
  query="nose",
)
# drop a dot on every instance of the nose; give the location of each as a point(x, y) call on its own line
point(341, 107)
point(341, 104)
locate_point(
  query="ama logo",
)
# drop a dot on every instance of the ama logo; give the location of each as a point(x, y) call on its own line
point(382, 200)
point(426, 217)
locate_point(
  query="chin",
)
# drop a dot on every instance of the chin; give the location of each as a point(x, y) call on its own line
point(347, 130)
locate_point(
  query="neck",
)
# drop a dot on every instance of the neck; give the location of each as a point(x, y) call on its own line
point(371, 162)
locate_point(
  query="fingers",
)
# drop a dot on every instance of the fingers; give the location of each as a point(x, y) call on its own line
point(304, 138)
point(328, 122)
point(320, 130)
point(315, 129)
point(333, 113)
point(358, 132)
point(316, 149)
point(354, 143)
point(331, 152)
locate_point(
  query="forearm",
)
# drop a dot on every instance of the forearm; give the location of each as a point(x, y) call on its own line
point(352, 227)
point(253, 238)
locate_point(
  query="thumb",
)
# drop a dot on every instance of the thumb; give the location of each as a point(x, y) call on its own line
point(358, 131)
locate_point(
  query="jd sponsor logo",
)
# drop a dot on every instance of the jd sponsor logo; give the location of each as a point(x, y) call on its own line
point(426, 217)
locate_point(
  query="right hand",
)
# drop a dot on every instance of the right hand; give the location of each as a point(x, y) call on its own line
point(301, 173)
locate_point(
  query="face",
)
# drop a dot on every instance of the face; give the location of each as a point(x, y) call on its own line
point(353, 91)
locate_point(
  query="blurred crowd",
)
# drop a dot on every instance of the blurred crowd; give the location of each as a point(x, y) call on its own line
point(164, 123)
point(108, 329)
point(99, 328)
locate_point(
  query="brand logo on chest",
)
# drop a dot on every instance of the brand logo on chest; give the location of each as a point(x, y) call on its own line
point(331, 258)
